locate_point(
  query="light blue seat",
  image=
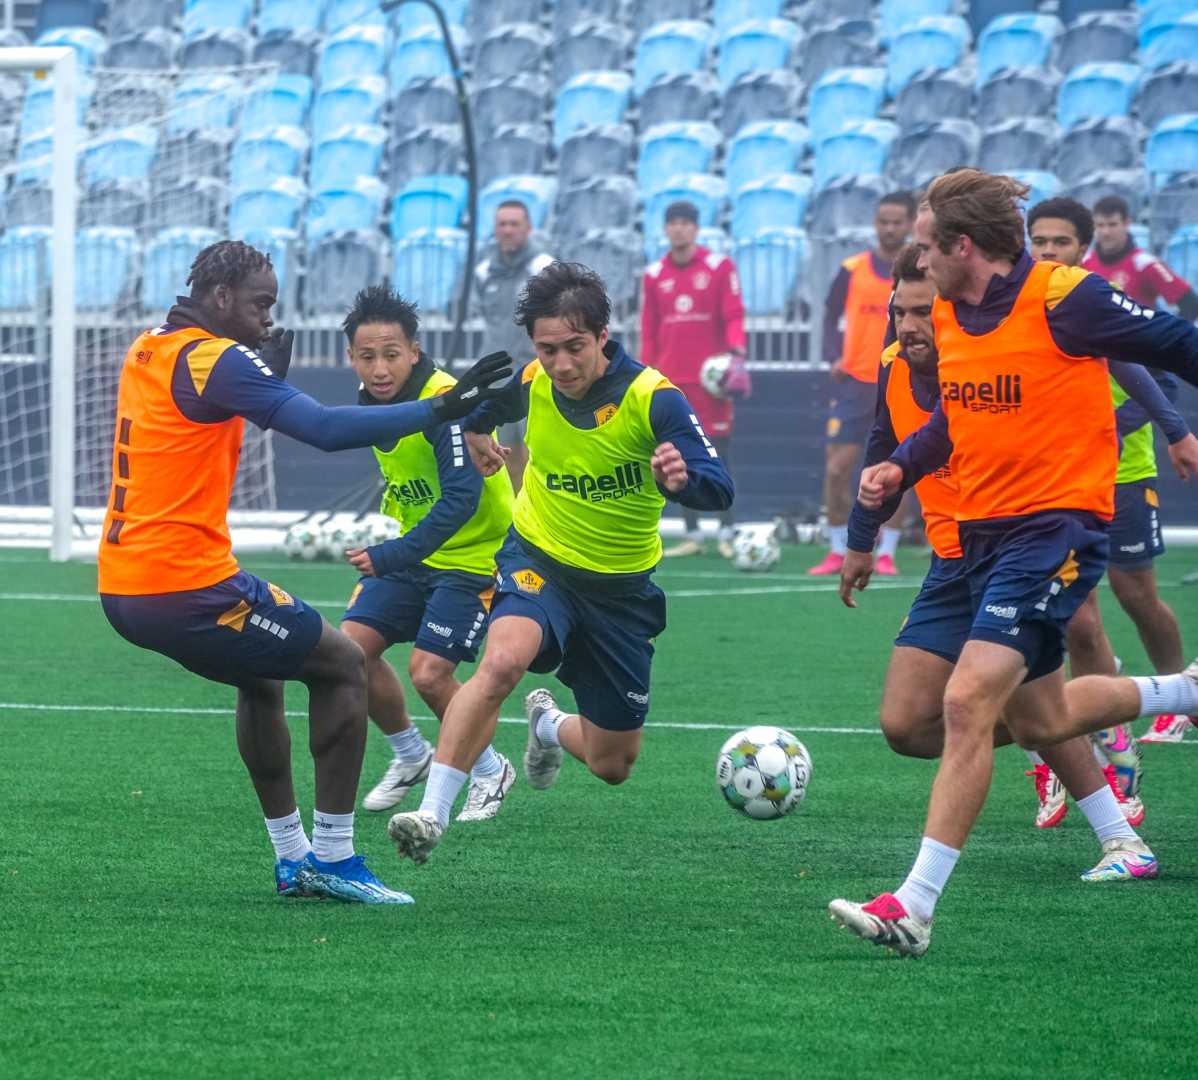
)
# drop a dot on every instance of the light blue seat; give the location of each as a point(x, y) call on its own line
point(755, 45)
point(1095, 90)
point(428, 267)
point(339, 265)
point(780, 199)
point(105, 260)
point(851, 93)
point(597, 150)
point(846, 202)
point(167, 263)
point(1173, 147)
point(124, 154)
point(341, 157)
point(669, 149)
point(355, 206)
point(203, 15)
point(1178, 41)
point(276, 100)
point(1027, 142)
point(289, 52)
point(24, 266)
point(657, 244)
point(353, 101)
point(1158, 17)
point(935, 41)
point(1182, 252)
point(89, 44)
point(708, 194)
point(412, 18)
point(897, 15)
point(29, 202)
point(433, 101)
point(202, 103)
point(339, 14)
point(537, 193)
point(729, 13)
point(594, 97)
point(281, 245)
point(485, 17)
point(839, 42)
point(276, 204)
point(1129, 184)
point(1044, 185)
point(289, 15)
point(37, 111)
point(226, 48)
point(426, 150)
point(587, 46)
point(266, 155)
point(1164, 91)
point(770, 265)
point(34, 158)
point(428, 202)
point(423, 55)
point(154, 49)
point(762, 149)
point(1097, 37)
point(693, 95)
point(674, 47)
point(1018, 91)
point(352, 53)
point(935, 95)
point(860, 146)
point(760, 95)
point(516, 149)
point(1019, 40)
point(1107, 142)
point(508, 48)
point(924, 151)
point(514, 99)
point(615, 255)
point(595, 204)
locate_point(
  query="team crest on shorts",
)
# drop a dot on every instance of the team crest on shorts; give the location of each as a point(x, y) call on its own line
point(282, 597)
point(528, 581)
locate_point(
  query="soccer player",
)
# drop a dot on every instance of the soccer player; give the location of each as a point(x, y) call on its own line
point(691, 309)
point(855, 319)
point(168, 580)
point(433, 585)
point(610, 441)
point(1025, 416)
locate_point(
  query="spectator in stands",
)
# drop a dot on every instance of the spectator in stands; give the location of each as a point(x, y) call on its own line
point(855, 318)
point(511, 259)
point(691, 310)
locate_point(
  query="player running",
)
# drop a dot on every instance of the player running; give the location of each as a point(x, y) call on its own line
point(1018, 342)
point(610, 441)
point(168, 580)
point(432, 586)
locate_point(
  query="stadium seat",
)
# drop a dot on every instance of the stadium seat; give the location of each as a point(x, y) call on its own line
point(568, 13)
point(524, 148)
point(106, 259)
point(428, 202)
point(52, 14)
point(194, 203)
point(763, 149)
point(281, 245)
point(846, 202)
point(597, 150)
point(12, 97)
point(1173, 205)
point(537, 193)
point(669, 149)
point(1177, 41)
point(1095, 90)
point(756, 45)
point(935, 41)
point(190, 155)
point(29, 203)
point(982, 12)
point(154, 49)
point(1173, 147)
point(1182, 252)
point(429, 150)
point(203, 103)
point(351, 53)
point(37, 112)
point(1044, 185)
point(760, 95)
point(859, 146)
point(202, 15)
point(595, 204)
point(355, 206)
point(423, 55)
point(273, 204)
point(342, 14)
point(589, 46)
point(828, 254)
point(355, 101)
point(1027, 142)
point(136, 99)
point(896, 15)
point(1110, 142)
point(293, 52)
point(428, 267)
point(266, 155)
point(934, 95)
point(274, 100)
point(690, 96)
point(114, 202)
point(516, 99)
point(342, 156)
point(671, 48)
point(615, 255)
point(216, 49)
point(33, 157)
point(1096, 38)
point(339, 265)
point(851, 93)
point(136, 16)
point(646, 15)
point(1164, 91)
point(924, 151)
point(24, 267)
point(411, 19)
point(842, 43)
point(729, 13)
point(167, 262)
point(89, 44)
point(1129, 184)
point(713, 238)
point(286, 15)
point(1018, 91)
point(595, 97)
point(770, 266)
point(1069, 11)
point(485, 18)
point(124, 154)
point(707, 193)
point(780, 199)
point(514, 47)
point(1011, 40)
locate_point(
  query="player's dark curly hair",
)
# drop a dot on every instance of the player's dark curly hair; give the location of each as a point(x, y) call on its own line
point(381, 304)
point(1067, 210)
point(906, 265)
point(565, 290)
point(227, 262)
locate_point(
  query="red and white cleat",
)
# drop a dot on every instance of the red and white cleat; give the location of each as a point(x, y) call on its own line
point(884, 921)
point(1171, 727)
point(884, 565)
point(831, 565)
point(1051, 794)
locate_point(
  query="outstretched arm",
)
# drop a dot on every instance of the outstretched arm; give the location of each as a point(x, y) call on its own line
point(1146, 402)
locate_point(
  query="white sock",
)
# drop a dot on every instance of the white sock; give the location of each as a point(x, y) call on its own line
point(332, 836)
point(409, 745)
point(1160, 694)
point(547, 727)
point(288, 836)
point(888, 545)
point(1105, 818)
point(489, 763)
point(442, 787)
point(933, 866)
point(728, 533)
point(1034, 758)
point(838, 537)
point(696, 535)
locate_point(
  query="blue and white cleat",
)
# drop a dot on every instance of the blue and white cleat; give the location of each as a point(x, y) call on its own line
point(1124, 860)
point(287, 881)
point(349, 880)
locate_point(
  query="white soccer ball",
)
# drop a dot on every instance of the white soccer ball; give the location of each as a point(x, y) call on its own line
point(303, 540)
point(756, 548)
point(336, 534)
point(375, 528)
point(763, 772)
point(712, 373)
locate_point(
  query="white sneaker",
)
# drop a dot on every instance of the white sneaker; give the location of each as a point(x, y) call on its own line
point(884, 921)
point(1051, 794)
point(415, 834)
point(397, 781)
point(1124, 860)
point(1171, 727)
point(541, 763)
point(487, 793)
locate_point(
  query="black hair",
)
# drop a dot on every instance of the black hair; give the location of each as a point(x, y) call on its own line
point(899, 198)
point(565, 290)
point(227, 262)
point(906, 265)
point(1067, 210)
point(381, 304)
point(514, 204)
point(1110, 205)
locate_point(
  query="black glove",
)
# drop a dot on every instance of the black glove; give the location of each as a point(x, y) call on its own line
point(275, 350)
point(479, 384)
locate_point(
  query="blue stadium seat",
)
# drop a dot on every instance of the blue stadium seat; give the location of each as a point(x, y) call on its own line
point(1018, 91)
point(105, 262)
point(136, 99)
point(840, 43)
point(669, 149)
point(671, 48)
point(167, 262)
point(983, 12)
point(33, 157)
point(568, 13)
point(134, 16)
point(729, 13)
point(428, 202)
point(412, 18)
point(897, 15)
point(514, 47)
point(1044, 185)
point(202, 15)
point(482, 19)
point(934, 95)
point(153, 49)
point(282, 246)
point(762, 149)
point(860, 146)
point(266, 155)
point(37, 112)
point(780, 199)
point(355, 206)
point(1069, 11)
point(935, 41)
point(1095, 90)
point(89, 44)
point(589, 46)
point(1173, 147)
point(354, 101)
point(1176, 41)
point(924, 151)
point(123, 154)
point(52, 14)
point(1173, 205)
point(692, 95)
point(1098, 37)
point(428, 267)
point(114, 202)
point(1013, 40)
point(516, 99)
point(429, 150)
point(595, 97)
point(191, 155)
point(203, 102)
point(216, 49)
point(341, 14)
point(192, 203)
point(523, 148)
point(851, 93)
point(756, 45)
point(1027, 142)
point(274, 100)
point(291, 52)
point(846, 202)
point(340, 264)
point(615, 255)
point(595, 204)
point(423, 55)
point(1158, 17)
point(645, 15)
point(770, 265)
point(537, 193)
point(288, 15)
point(352, 53)
point(24, 263)
point(1165, 91)
point(1109, 142)
point(276, 204)
point(597, 150)
point(708, 193)
point(1130, 184)
point(1182, 252)
point(28, 203)
point(760, 95)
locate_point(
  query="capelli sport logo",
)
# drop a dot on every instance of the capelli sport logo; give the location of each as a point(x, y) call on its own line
point(412, 493)
point(1003, 395)
point(626, 479)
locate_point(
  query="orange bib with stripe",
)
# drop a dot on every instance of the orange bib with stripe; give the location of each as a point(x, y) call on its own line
point(866, 313)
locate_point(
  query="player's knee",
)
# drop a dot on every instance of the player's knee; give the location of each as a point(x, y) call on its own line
point(965, 712)
point(499, 672)
point(912, 737)
point(612, 770)
point(429, 674)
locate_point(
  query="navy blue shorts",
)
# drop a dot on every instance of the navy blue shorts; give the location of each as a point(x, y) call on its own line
point(851, 411)
point(942, 614)
point(443, 611)
point(600, 643)
point(236, 631)
point(1136, 531)
point(1027, 578)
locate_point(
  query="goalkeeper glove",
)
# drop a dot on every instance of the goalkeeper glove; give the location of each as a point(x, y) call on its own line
point(275, 350)
point(737, 382)
point(479, 384)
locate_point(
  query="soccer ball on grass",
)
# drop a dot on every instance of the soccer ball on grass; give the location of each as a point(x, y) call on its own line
point(755, 548)
point(763, 772)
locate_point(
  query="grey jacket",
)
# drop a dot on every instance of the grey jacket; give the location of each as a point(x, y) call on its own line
point(498, 282)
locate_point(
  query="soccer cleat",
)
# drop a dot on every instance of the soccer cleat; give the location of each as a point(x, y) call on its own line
point(1124, 860)
point(884, 565)
point(683, 549)
point(397, 781)
point(541, 763)
point(1119, 746)
point(415, 833)
point(831, 565)
point(1168, 728)
point(884, 921)
point(349, 880)
point(487, 793)
point(1131, 805)
point(287, 881)
point(1051, 794)
point(725, 548)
